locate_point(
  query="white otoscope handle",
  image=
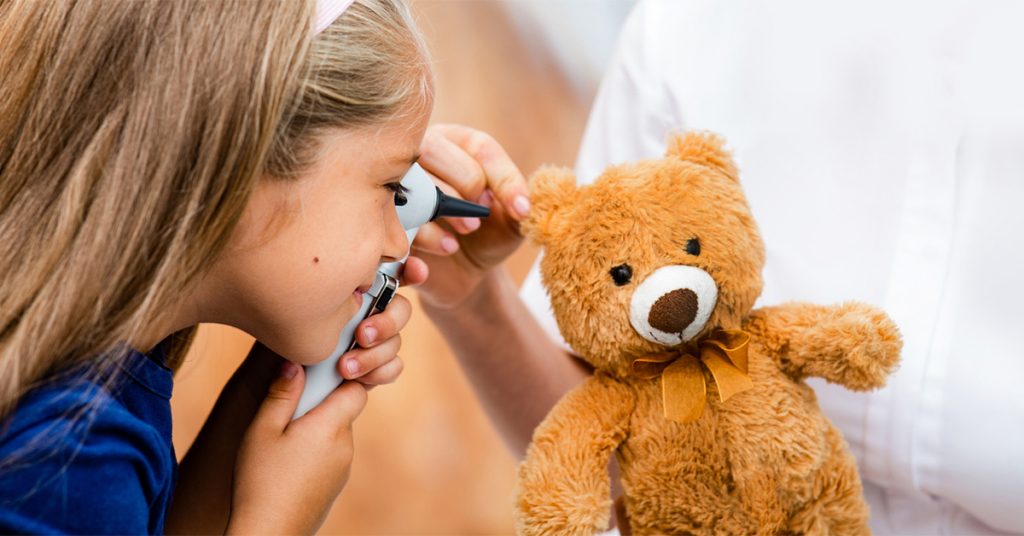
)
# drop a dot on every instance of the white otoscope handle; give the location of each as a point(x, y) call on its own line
point(323, 377)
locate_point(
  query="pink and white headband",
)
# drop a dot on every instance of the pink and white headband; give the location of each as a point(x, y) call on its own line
point(327, 11)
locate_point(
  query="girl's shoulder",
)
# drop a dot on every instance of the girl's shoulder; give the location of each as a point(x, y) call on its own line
point(56, 406)
point(83, 404)
point(88, 452)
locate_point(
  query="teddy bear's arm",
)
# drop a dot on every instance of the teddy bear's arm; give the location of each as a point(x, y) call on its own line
point(852, 344)
point(563, 482)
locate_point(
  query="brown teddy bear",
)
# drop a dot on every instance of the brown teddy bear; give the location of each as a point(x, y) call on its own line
point(653, 272)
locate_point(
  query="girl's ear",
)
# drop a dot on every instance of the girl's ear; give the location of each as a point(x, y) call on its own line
point(552, 190)
point(703, 148)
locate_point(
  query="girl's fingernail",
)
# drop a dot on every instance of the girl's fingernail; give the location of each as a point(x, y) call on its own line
point(472, 223)
point(486, 199)
point(352, 366)
point(370, 333)
point(289, 370)
point(521, 204)
point(449, 244)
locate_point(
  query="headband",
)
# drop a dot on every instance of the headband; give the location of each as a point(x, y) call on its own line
point(327, 11)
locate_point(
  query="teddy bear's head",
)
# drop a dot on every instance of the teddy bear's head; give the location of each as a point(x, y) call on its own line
point(651, 256)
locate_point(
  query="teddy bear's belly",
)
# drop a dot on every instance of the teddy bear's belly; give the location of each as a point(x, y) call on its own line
point(733, 471)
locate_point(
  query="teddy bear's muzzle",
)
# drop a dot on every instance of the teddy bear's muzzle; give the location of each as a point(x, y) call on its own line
point(673, 304)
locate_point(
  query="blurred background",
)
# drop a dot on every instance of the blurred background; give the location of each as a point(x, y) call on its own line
point(427, 460)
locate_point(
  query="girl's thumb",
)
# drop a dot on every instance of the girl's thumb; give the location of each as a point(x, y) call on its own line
point(282, 397)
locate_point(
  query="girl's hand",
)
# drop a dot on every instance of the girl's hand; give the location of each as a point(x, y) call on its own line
point(376, 361)
point(288, 473)
point(471, 165)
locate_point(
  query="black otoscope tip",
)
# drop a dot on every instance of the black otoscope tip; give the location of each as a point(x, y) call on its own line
point(454, 207)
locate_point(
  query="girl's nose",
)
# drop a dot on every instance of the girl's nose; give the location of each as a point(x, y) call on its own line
point(396, 242)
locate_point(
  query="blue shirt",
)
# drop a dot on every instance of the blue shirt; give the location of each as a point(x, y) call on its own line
point(78, 457)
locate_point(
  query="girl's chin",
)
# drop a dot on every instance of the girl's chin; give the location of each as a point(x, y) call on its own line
point(313, 356)
point(327, 333)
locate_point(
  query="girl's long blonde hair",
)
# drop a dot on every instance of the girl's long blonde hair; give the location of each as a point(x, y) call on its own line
point(131, 137)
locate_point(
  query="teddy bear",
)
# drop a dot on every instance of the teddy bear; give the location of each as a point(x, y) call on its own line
point(653, 271)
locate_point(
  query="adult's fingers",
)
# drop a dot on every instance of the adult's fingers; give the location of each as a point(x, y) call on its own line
point(434, 239)
point(503, 176)
point(450, 163)
point(414, 272)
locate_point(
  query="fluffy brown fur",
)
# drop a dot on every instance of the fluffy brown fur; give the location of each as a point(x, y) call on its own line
point(764, 462)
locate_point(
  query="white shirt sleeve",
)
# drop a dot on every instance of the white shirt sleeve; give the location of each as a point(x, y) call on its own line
point(632, 116)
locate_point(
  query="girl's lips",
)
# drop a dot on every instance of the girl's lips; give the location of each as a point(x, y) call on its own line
point(358, 293)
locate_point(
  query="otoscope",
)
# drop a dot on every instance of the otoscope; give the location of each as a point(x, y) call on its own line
point(422, 202)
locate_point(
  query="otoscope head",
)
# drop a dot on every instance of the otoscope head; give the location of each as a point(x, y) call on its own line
point(424, 202)
point(453, 206)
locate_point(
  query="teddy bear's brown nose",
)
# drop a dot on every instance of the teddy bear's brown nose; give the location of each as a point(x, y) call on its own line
point(673, 311)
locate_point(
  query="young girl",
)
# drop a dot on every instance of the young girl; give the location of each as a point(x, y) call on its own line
point(164, 164)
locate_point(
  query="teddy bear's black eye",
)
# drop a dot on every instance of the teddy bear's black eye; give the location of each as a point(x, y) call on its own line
point(621, 274)
point(693, 246)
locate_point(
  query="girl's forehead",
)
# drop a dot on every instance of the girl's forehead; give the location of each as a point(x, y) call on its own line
point(395, 141)
point(363, 151)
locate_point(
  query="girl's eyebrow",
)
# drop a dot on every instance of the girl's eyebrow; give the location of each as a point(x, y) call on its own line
point(406, 160)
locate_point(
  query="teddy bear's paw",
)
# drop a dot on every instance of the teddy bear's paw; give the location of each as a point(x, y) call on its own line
point(572, 515)
point(551, 527)
point(870, 345)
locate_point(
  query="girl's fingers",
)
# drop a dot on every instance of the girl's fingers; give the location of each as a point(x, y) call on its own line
point(384, 325)
point(361, 361)
point(340, 408)
point(384, 374)
point(275, 413)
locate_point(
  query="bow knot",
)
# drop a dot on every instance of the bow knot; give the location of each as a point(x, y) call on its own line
point(683, 387)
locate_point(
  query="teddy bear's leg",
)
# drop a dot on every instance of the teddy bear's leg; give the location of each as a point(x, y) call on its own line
point(836, 505)
point(563, 483)
point(851, 344)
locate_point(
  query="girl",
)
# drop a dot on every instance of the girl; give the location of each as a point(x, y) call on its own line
point(164, 164)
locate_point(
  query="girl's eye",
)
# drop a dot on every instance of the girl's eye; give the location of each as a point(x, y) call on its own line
point(399, 191)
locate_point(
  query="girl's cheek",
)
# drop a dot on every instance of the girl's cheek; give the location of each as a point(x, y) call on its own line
point(372, 233)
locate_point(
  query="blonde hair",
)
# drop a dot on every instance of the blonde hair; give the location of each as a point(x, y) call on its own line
point(131, 137)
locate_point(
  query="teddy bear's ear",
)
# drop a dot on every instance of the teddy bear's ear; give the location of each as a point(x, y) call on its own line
point(551, 190)
point(703, 148)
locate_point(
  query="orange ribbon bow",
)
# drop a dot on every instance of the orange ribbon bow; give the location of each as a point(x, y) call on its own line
point(683, 387)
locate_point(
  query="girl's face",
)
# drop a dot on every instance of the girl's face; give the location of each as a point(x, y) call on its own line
point(307, 248)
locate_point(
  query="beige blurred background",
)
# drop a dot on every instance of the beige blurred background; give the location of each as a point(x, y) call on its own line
point(427, 460)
